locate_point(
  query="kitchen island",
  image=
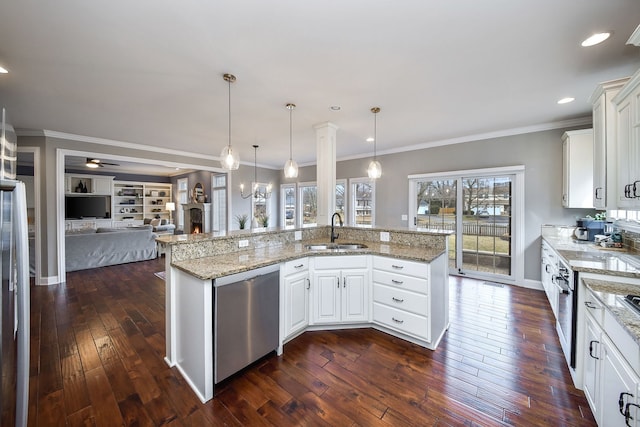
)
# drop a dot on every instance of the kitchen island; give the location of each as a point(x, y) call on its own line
point(392, 280)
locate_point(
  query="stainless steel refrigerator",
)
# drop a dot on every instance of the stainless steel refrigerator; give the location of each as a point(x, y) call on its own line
point(14, 307)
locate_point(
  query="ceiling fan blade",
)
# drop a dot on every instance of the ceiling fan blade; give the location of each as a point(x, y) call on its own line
point(99, 163)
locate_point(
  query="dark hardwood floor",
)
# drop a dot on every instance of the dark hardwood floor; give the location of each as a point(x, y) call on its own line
point(98, 347)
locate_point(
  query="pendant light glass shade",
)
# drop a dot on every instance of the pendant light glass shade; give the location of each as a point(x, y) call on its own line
point(229, 158)
point(290, 166)
point(375, 169)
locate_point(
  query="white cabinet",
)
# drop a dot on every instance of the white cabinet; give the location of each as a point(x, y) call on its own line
point(577, 169)
point(628, 140)
point(340, 295)
point(548, 276)
point(97, 185)
point(401, 296)
point(610, 357)
point(294, 285)
point(620, 384)
point(605, 144)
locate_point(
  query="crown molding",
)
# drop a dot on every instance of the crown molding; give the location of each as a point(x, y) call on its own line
point(582, 121)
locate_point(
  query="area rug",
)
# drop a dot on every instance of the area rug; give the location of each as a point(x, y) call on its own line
point(160, 274)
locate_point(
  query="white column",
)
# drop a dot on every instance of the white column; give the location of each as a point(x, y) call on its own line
point(326, 171)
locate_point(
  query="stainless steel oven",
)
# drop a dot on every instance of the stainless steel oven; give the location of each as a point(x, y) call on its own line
point(566, 279)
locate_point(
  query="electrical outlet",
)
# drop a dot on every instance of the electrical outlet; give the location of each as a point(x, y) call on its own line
point(297, 235)
point(384, 236)
point(243, 243)
point(405, 217)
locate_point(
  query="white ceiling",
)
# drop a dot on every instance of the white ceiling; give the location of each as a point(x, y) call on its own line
point(150, 72)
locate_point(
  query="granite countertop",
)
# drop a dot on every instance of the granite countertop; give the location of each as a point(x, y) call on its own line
point(609, 294)
point(212, 267)
point(589, 258)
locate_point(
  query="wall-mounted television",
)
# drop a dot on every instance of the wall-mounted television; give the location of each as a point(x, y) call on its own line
point(78, 207)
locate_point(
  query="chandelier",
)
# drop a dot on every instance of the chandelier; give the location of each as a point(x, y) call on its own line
point(257, 192)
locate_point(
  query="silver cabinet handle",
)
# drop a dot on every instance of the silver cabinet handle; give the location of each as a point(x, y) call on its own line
point(344, 282)
point(308, 283)
point(396, 320)
point(397, 299)
point(298, 266)
point(589, 304)
point(399, 267)
point(338, 281)
point(397, 282)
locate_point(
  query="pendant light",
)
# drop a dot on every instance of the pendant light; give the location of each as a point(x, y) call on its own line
point(375, 170)
point(229, 158)
point(256, 193)
point(290, 166)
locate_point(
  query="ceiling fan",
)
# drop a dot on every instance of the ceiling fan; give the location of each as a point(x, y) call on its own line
point(97, 163)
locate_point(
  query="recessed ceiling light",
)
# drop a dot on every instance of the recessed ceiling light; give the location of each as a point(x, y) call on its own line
point(3, 70)
point(370, 139)
point(335, 108)
point(595, 39)
point(566, 100)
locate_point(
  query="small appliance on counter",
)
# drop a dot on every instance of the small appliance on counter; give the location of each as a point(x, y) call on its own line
point(587, 229)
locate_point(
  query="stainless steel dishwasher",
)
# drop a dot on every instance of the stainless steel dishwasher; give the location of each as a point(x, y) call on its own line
point(246, 319)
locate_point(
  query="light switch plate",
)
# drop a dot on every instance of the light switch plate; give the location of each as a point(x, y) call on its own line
point(243, 243)
point(405, 217)
point(384, 236)
point(297, 235)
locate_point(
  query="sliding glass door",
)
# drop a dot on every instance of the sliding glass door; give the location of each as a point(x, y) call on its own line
point(477, 207)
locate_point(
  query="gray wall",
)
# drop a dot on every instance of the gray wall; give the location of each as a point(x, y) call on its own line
point(239, 206)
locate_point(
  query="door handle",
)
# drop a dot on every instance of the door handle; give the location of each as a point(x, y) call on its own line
point(308, 283)
point(597, 193)
point(338, 281)
point(627, 413)
point(589, 304)
point(344, 282)
point(621, 402)
point(591, 348)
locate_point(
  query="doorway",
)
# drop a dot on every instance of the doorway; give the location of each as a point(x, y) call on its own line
point(479, 208)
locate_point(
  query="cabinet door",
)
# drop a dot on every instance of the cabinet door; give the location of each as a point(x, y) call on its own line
point(625, 132)
point(599, 154)
point(619, 388)
point(296, 306)
point(326, 296)
point(355, 296)
point(102, 186)
point(592, 357)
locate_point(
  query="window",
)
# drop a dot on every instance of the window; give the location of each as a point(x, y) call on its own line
point(341, 199)
point(362, 198)
point(182, 197)
point(219, 202)
point(260, 207)
point(288, 205)
point(308, 196)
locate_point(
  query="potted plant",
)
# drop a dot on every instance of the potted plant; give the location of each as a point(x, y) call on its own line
point(242, 221)
point(264, 220)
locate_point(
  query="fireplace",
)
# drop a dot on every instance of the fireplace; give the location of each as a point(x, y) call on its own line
point(197, 217)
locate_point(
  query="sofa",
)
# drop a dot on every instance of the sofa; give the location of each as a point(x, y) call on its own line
point(160, 226)
point(100, 247)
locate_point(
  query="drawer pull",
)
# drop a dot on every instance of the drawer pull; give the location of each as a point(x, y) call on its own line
point(591, 343)
point(397, 299)
point(621, 401)
point(396, 320)
point(589, 304)
point(397, 282)
point(398, 267)
point(298, 266)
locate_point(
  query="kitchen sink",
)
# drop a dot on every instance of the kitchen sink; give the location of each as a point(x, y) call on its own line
point(336, 247)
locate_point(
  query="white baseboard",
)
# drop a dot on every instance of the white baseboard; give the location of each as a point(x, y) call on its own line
point(47, 281)
point(531, 284)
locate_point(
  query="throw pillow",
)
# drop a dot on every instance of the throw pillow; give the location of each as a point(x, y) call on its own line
point(155, 222)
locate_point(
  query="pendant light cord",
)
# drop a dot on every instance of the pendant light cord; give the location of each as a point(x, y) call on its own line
point(375, 135)
point(229, 144)
point(290, 132)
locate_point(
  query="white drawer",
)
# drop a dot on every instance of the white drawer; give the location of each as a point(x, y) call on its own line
point(295, 266)
point(401, 281)
point(401, 266)
point(594, 307)
point(402, 321)
point(340, 262)
point(399, 298)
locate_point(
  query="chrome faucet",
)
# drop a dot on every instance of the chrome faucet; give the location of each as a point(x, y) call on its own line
point(333, 235)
